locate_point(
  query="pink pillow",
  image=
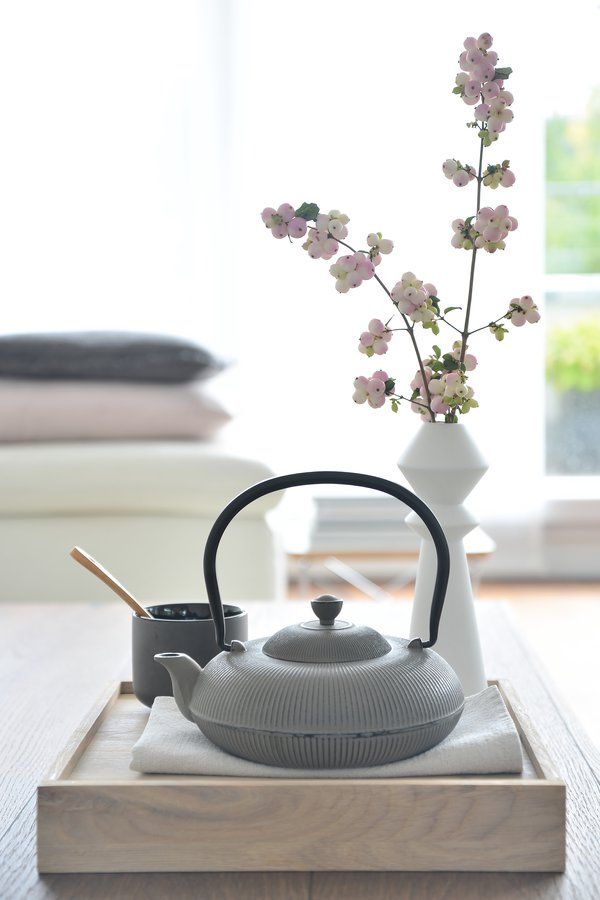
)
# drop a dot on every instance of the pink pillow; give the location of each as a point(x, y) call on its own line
point(95, 410)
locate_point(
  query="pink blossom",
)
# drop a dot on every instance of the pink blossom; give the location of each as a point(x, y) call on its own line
point(417, 383)
point(438, 405)
point(378, 245)
point(321, 242)
point(490, 91)
point(297, 227)
point(376, 339)
point(351, 270)
point(488, 231)
point(373, 390)
point(412, 298)
point(470, 361)
point(459, 174)
point(477, 81)
point(499, 174)
point(283, 221)
point(523, 310)
point(319, 245)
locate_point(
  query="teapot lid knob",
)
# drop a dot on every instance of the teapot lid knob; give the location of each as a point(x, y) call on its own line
point(326, 608)
point(326, 639)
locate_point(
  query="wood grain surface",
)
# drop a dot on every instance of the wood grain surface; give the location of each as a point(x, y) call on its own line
point(95, 814)
point(53, 663)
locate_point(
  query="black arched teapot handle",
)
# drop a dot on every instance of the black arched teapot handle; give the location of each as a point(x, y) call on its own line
point(281, 482)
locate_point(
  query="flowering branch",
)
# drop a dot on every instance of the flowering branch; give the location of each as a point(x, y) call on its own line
point(465, 332)
point(440, 385)
point(410, 328)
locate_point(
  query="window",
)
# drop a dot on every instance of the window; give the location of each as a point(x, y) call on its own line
point(573, 291)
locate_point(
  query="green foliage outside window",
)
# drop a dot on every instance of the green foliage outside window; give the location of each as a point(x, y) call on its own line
point(573, 192)
point(573, 356)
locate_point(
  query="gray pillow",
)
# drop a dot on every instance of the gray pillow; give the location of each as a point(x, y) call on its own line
point(105, 356)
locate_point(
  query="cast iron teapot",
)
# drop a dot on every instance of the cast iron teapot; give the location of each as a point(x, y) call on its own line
point(325, 693)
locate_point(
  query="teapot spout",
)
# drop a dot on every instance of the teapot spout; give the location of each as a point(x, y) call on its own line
point(184, 672)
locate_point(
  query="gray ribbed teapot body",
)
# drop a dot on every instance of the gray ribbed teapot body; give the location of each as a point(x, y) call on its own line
point(324, 693)
point(327, 715)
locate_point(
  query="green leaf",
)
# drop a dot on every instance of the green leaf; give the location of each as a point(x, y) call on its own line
point(437, 351)
point(451, 309)
point(308, 211)
point(458, 89)
point(369, 351)
point(414, 394)
point(390, 385)
point(435, 328)
point(394, 406)
point(503, 74)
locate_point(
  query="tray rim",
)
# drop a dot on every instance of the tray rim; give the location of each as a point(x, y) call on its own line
point(66, 761)
point(200, 797)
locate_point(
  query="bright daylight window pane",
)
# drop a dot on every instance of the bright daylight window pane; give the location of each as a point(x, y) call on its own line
point(573, 295)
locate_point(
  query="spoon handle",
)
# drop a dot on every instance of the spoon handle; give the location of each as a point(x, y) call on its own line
point(88, 562)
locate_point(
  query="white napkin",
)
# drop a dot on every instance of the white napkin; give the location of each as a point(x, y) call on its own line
point(484, 742)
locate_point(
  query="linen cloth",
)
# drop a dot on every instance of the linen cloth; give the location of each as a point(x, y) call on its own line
point(55, 410)
point(105, 356)
point(484, 742)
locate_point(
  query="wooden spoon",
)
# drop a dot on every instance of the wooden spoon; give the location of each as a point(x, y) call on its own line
point(88, 562)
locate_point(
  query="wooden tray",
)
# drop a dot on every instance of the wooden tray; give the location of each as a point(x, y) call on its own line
point(96, 815)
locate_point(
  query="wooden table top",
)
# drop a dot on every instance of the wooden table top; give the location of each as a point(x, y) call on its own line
point(54, 662)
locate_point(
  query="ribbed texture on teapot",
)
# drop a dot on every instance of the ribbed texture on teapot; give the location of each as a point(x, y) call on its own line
point(401, 690)
point(341, 642)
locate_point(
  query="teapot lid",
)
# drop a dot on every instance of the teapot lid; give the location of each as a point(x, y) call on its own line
point(326, 639)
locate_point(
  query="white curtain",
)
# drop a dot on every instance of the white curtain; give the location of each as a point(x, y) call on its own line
point(141, 139)
point(113, 136)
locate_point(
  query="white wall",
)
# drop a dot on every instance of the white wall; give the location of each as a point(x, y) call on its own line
point(112, 140)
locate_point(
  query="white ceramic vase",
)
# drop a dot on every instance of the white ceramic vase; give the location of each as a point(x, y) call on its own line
point(443, 464)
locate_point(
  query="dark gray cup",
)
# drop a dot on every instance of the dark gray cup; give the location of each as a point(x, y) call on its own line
point(177, 627)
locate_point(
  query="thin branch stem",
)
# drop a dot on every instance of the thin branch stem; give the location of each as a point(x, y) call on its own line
point(465, 332)
point(408, 400)
point(483, 327)
point(443, 319)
